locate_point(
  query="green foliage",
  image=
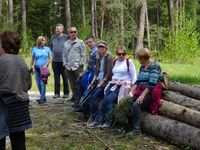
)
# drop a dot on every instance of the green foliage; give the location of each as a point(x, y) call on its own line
point(182, 46)
point(123, 111)
point(27, 44)
point(84, 32)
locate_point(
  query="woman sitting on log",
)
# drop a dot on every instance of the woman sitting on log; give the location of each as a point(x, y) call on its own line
point(147, 89)
point(124, 75)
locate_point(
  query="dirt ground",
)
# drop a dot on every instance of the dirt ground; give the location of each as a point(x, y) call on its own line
point(54, 129)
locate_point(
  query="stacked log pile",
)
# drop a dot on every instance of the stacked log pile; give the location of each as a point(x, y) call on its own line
point(178, 119)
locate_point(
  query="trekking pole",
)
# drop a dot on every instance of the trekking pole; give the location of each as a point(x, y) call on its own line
point(91, 91)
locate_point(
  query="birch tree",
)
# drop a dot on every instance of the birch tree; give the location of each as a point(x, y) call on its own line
point(24, 15)
point(140, 38)
point(94, 18)
point(10, 13)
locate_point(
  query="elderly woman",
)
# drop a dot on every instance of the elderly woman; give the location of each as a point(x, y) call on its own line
point(102, 75)
point(124, 75)
point(147, 89)
point(15, 81)
point(41, 58)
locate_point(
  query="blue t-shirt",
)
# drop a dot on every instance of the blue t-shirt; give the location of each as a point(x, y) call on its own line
point(41, 55)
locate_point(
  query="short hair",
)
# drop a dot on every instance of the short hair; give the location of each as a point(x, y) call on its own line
point(60, 25)
point(143, 54)
point(90, 37)
point(39, 39)
point(122, 48)
point(10, 42)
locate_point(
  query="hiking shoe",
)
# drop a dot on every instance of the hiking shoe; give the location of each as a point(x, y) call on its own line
point(135, 132)
point(93, 125)
point(106, 125)
point(56, 96)
point(65, 96)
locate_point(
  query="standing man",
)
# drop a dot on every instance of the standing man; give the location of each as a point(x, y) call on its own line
point(57, 44)
point(74, 55)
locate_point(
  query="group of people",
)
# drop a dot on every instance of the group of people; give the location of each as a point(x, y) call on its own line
point(104, 81)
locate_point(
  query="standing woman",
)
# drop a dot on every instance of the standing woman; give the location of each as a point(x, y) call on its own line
point(147, 89)
point(41, 58)
point(15, 81)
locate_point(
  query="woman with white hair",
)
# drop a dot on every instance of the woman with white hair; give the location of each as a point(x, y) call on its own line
point(41, 58)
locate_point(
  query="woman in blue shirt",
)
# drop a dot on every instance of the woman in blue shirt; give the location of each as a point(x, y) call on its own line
point(41, 57)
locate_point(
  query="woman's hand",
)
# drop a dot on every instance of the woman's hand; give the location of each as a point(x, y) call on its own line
point(100, 84)
point(45, 66)
point(140, 99)
point(132, 92)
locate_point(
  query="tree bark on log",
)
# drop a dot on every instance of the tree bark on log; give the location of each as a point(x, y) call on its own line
point(184, 89)
point(180, 113)
point(171, 130)
point(182, 100)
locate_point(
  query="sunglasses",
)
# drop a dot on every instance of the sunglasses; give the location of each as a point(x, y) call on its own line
point(72, 31)
point(121, 54)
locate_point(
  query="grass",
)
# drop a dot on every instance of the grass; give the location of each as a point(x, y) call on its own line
point(73, 136)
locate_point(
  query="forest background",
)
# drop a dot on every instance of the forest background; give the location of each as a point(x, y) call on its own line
point(169, 28)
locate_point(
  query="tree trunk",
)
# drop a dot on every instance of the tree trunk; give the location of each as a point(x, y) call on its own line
point(180, 113)
point(102, 18)
point(94, 18)
point(181, 100)
point(140, 39)
point(187, 90)
point(170, 13)
point(1, 1)
point(148, 33)
point(24, 16)
point(159, 13)
point(171, 130)
point(83, 12)
point(10, 13)
point(122, 23)
point(67, 14)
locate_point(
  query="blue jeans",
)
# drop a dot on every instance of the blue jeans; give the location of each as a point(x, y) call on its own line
point(108, 105)
point(94, 100)
point(41, 85)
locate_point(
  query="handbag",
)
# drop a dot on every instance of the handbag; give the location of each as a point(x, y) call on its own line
point(44, 73)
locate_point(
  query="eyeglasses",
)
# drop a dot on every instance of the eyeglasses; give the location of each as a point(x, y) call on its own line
point(72, 31)
point(121, 54)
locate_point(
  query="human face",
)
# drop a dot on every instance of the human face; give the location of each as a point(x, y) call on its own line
point(73, 33)
point(121, 54)
point(102, 50)
point(42, 42)
point(90, 43)
point(58, 30)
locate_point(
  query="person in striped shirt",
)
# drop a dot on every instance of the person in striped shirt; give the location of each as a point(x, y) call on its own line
point(146, 89)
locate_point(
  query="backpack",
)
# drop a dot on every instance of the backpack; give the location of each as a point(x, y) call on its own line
point(127, 63)
point(165, 81)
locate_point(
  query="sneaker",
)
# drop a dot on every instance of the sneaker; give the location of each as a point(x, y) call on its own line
point(135, 132)
point(92, 125)
point(65, 96)
point(91, 119)
point(56, 96)
point(106, 125)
